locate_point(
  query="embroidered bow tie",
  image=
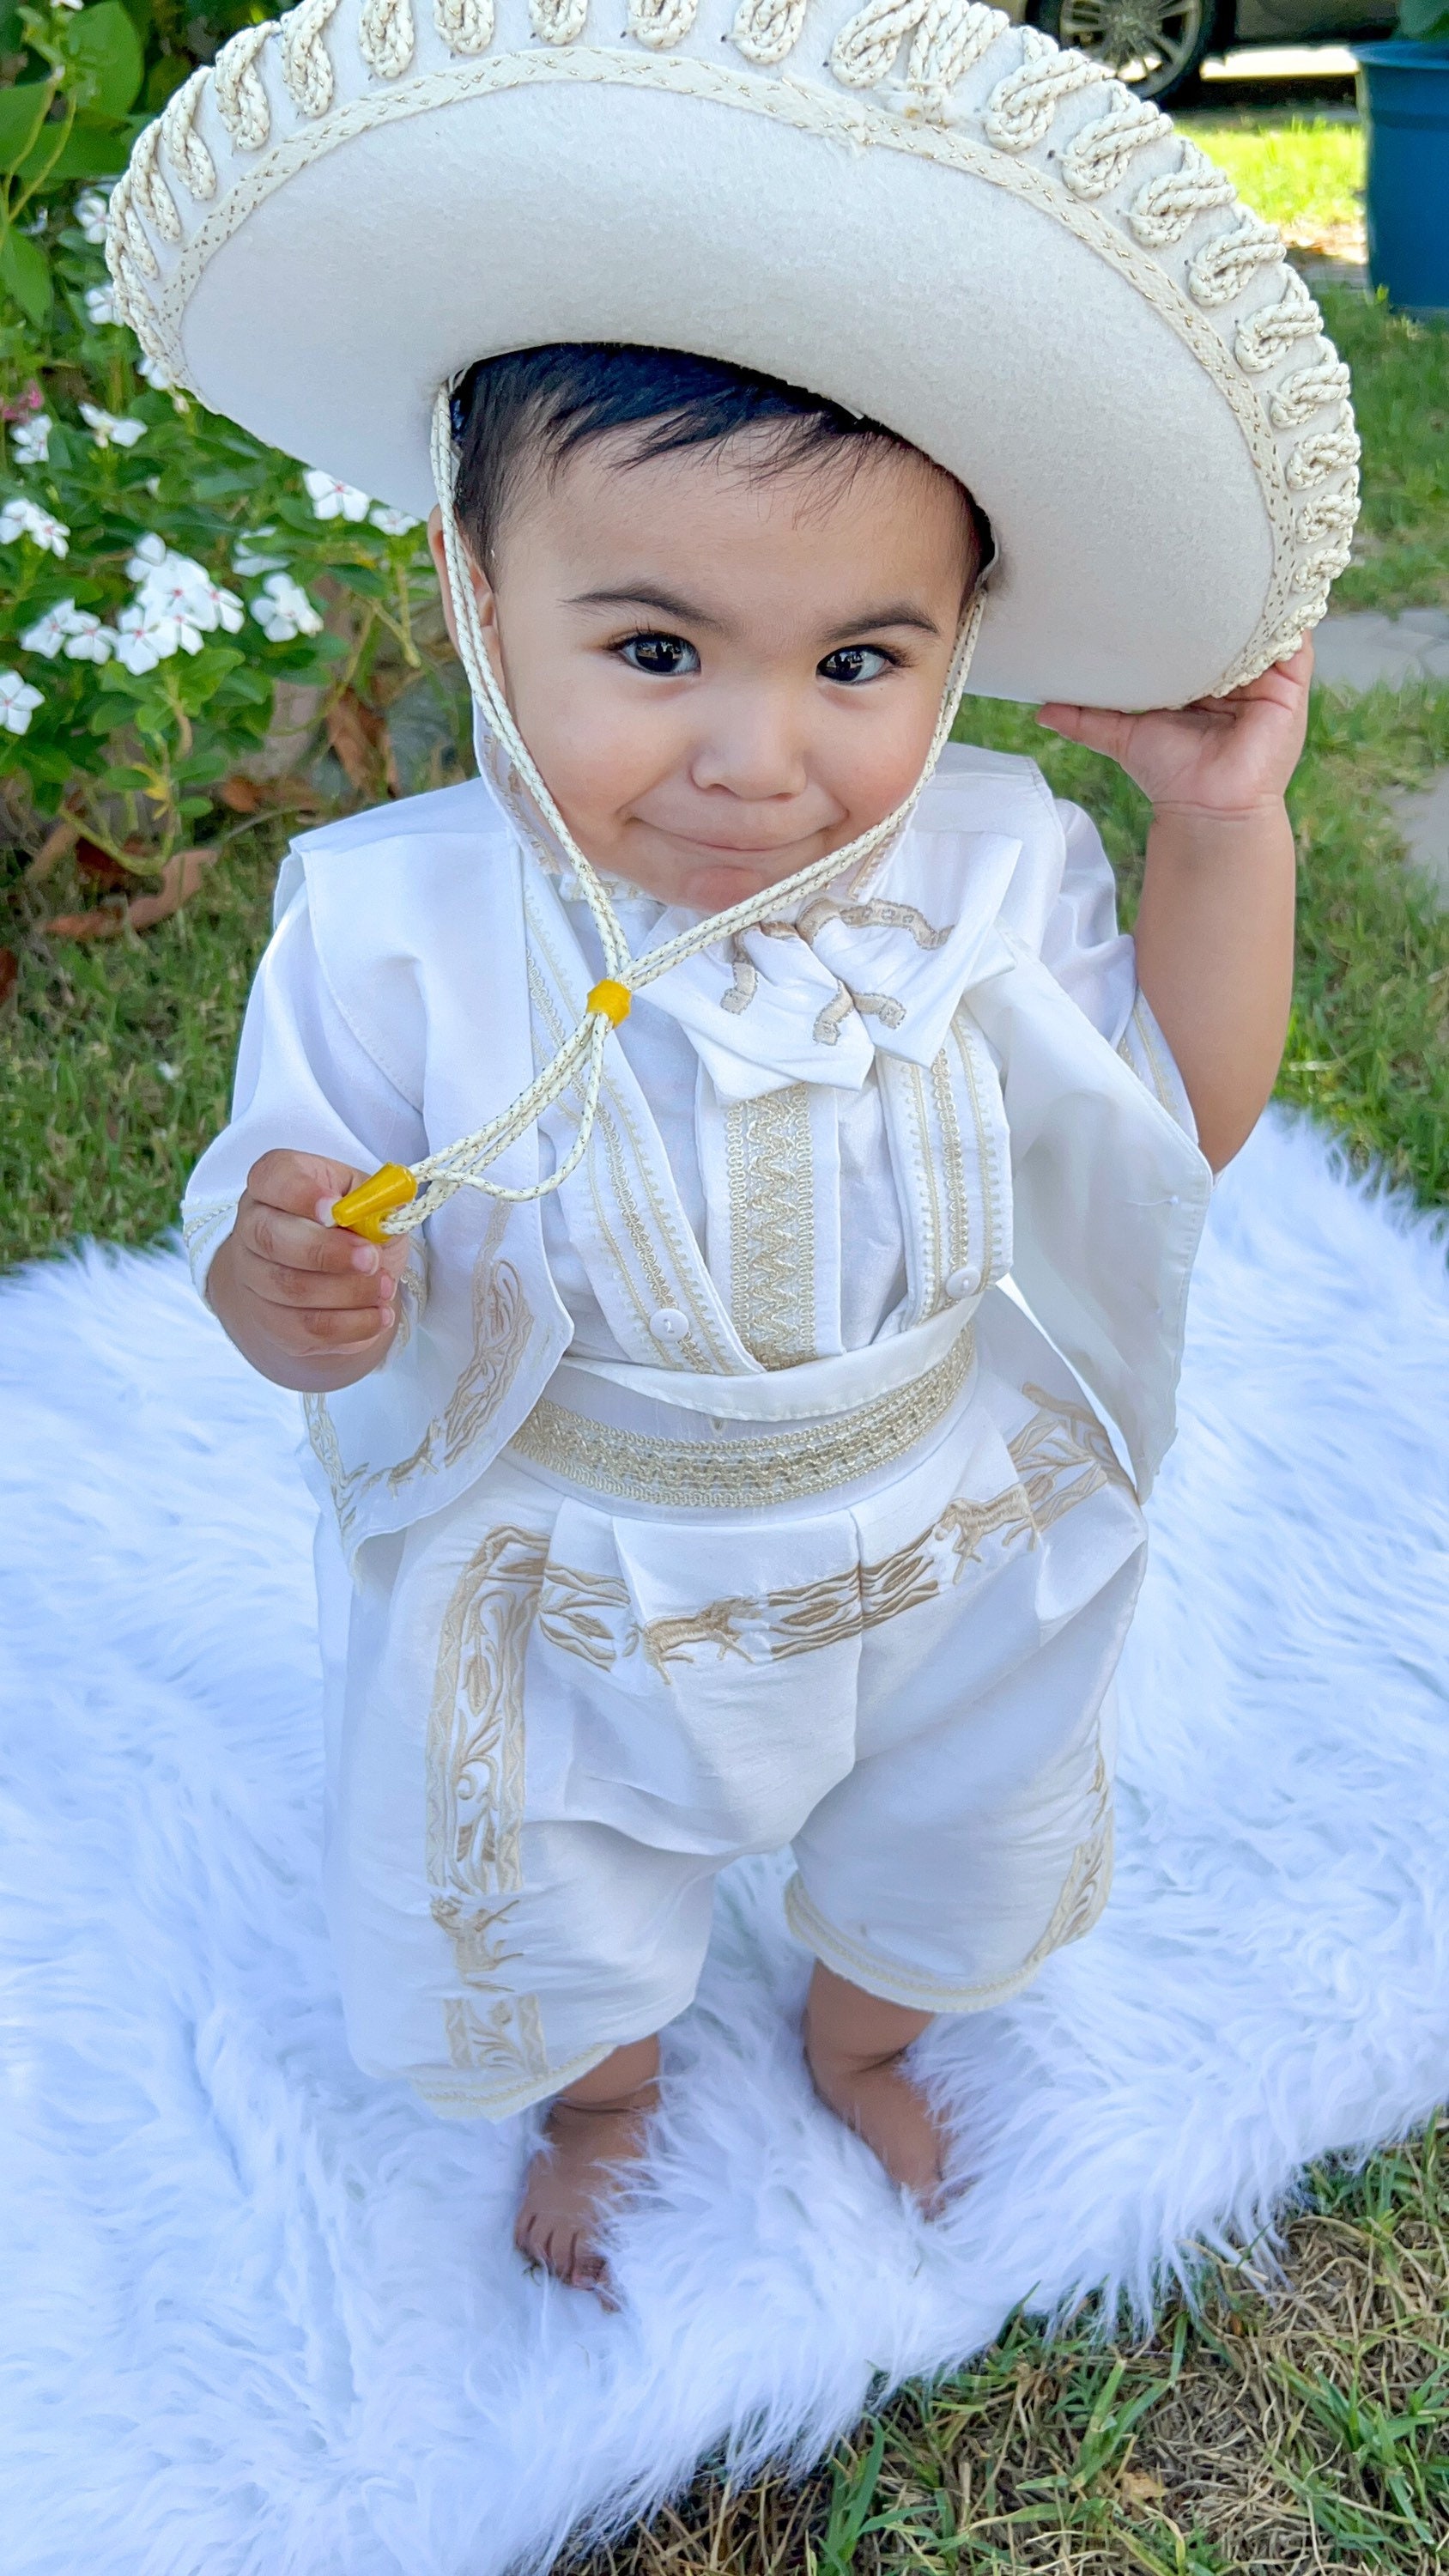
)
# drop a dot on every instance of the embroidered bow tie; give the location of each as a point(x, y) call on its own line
point(816, 998)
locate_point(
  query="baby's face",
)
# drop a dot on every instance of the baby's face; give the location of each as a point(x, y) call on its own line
point(723, 679)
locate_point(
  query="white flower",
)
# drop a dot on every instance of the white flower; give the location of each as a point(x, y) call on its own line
point(284, 610)
point(393, 523)
point(159, 378)
point(90, 212)
point(20, 518)
point(150, 551)
point(109, 431)
point(248, 560)
point(69, 630)
point(67, 4)
point(143, 640)
point(333, 500)
point(100, 300)
point(176, 604)
point(18, 702)
point(88, 640)
point(30, 439)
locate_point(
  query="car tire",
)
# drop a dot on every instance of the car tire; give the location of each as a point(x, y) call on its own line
point(1156, 47)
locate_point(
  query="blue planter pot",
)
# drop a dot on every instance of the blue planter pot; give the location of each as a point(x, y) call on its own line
point(1404, 100)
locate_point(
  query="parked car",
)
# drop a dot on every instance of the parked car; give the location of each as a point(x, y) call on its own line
point(1158, 46)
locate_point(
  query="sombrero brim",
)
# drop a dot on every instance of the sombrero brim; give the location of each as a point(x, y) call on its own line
point(1125, 375)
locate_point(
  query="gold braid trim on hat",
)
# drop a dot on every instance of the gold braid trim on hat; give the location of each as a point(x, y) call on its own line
point(943, 40)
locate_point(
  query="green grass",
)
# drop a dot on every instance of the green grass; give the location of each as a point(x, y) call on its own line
point(116, 1057)
point(1369, 1044)
point(1288, 2421)
point(1401, 397)
point(1305, 174)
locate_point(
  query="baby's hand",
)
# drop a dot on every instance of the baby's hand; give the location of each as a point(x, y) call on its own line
point(310, 1305)
point(1224, 758)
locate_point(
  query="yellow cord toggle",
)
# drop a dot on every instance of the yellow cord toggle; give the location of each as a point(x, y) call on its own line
point(363, 1209)
point(613, 999)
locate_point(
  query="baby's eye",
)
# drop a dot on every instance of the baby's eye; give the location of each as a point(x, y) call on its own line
point(854, 663)
point(663, 657)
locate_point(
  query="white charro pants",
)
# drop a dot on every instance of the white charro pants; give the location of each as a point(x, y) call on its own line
point(557, 1713)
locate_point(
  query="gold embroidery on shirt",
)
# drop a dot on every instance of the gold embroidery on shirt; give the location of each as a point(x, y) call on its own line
point(502, 1328)
point(475, 1775)
point(699, 1349)
point(956, 1252)
point(347, 1483)
point(770, 1168)
point(994, 1169)
point(1142, 1051)
point(880, 913)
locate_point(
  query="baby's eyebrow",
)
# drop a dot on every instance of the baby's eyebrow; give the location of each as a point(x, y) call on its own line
point(666, 603)
point(897, 612)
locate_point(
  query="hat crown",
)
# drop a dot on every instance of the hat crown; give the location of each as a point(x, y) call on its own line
point(885, 87)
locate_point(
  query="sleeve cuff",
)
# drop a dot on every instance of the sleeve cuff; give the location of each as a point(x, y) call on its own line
point(1143, 1047)
point(205, 1225)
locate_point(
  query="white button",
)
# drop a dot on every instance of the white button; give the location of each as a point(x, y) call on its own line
point(669, 1325)
point(959, 1284)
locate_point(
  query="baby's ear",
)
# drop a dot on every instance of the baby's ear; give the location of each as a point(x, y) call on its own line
point(482, 588)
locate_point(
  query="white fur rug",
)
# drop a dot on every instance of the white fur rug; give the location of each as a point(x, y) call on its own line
point(262, 2315)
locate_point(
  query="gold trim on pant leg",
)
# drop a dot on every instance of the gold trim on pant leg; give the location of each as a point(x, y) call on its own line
point(456, 2094)
point(1088, 1885)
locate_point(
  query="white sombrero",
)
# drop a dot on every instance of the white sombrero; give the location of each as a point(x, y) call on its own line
point(914, 207)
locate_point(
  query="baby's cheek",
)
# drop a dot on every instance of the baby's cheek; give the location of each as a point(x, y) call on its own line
point(872, 767)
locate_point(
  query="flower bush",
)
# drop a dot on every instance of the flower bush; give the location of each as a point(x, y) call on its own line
point(160, 571)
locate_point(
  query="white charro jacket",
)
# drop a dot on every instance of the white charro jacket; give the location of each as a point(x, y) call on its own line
point(422, 959)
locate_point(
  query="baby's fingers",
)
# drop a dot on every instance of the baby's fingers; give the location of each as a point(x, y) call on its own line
point(319, 1291)
point(299, 1183)
point(1100, 728)
point(299, 1243)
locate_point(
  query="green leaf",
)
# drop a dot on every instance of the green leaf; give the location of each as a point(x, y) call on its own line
point(22, 111)
point(105, 47)
point(165, 77)
point(1426, 22)
point(109, 715)
point(93, 149)
point(25, 275)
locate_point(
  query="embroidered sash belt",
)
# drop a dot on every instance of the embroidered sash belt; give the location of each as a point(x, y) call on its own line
point(698, 1472)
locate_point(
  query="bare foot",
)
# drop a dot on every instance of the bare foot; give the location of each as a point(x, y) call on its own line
point(592, 2134)
point(854, 2043)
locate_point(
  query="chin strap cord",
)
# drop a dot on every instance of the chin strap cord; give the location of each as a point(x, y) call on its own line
point(402, 1197)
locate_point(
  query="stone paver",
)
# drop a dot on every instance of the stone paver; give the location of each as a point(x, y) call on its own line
point(1422, 815)
point(1356, 648)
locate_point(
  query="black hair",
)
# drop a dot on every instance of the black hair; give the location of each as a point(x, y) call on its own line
point(540, 406)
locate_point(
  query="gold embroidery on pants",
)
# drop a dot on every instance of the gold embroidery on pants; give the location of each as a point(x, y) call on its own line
point(1061, 1438)
point(475, 1772)
point(1062, 1435)
point(1085, 1890)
